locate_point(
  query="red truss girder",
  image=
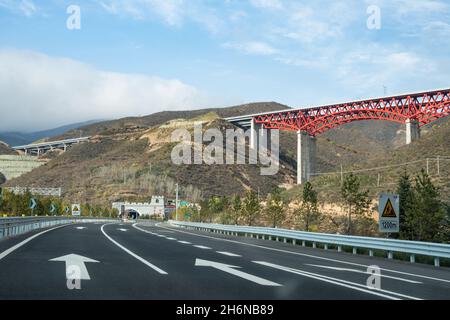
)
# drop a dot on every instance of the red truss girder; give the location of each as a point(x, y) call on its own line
point(422, 107)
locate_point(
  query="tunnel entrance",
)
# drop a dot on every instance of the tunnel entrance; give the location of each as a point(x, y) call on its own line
point(132, 214)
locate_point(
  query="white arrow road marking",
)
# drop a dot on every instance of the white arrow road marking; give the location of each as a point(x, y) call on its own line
point(339, 282)
point(203, 247)
point(229, 254)
point(172, 239)
point(123, 230)
point(72, 260)
point(160, 271)
point(363, 272)
point(232, 270)
point(80, 228)
point(185, 242)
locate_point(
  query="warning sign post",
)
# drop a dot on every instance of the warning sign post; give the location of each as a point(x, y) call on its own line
point(76, 210)
point(389, 213)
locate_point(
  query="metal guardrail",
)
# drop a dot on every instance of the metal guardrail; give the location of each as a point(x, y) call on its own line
point(10, 227)
point(413, 248)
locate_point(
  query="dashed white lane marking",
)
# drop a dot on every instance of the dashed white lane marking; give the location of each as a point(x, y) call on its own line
point(80, 228)
point(229, 254)
point(24, 242)
point(123, 230)
point(171, 239)
point(160, 271)
point(203, 247)
point(185, 242)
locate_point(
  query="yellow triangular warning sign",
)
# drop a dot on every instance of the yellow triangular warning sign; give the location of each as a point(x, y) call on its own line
point(75, 209)
point(389, 211)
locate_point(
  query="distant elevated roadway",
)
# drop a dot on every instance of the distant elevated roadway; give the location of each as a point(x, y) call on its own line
point(38, 149)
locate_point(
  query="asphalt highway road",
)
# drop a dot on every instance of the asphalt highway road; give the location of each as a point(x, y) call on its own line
point(157, 261)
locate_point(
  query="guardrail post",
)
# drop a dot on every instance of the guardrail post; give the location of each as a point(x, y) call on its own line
point(314, 245)
point(355, 251)
point(278, 239)
point(370, 253)
point(437, 262)
point(294, 242)
point(339, 248)
point(326, 246)
point(270, 238)
point(303, 243)
point(412, 258)
point(285, 240)
point(390, 255)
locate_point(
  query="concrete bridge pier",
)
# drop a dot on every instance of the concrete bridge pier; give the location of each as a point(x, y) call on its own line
point(259, 137)
point(412, 131)
point(254, 135)
point(306, 157)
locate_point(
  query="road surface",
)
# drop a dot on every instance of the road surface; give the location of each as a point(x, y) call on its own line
point(157, 261)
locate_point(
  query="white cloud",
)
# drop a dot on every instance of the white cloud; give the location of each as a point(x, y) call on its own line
point(24, 7)
point(252, 48)
point(39, 92)
point(420, 6)
point(172, 12)
point(169, 10)
point(271, 4)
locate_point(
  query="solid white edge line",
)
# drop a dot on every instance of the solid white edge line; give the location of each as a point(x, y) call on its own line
point(363, 272)
point(309, 255)
point(350, 283)
point(24, 242)
point(160, 271)
point(320, 278)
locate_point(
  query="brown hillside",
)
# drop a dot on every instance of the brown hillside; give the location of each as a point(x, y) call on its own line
point(143, 123)
point(6, 149)
point(135, 165)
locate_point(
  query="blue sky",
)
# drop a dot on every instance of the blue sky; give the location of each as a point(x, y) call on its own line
point(136, 57)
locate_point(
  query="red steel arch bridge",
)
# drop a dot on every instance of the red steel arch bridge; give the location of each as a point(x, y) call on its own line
point(415, 110)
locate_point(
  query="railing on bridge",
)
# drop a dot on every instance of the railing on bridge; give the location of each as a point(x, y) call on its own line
point(46, 192)
point(412, 248)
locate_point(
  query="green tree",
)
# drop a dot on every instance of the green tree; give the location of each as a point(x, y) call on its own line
point(205, 213)
point(235, 208)
point(216, 206)
point(426, 219)
point(309, 212)
point(406, 197)
point(356, 201)
point(251, 207)
point(275, 208)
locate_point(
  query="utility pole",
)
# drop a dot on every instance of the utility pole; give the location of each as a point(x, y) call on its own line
point(176, 204)
point(438, 166)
